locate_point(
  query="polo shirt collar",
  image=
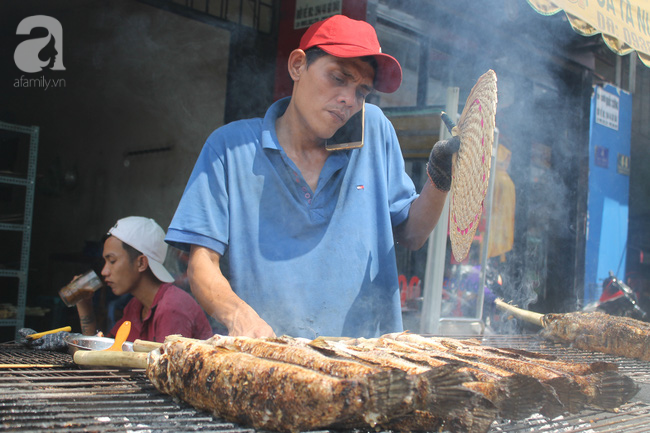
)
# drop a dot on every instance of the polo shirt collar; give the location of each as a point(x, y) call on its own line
point(269, 135)
point(159, 295)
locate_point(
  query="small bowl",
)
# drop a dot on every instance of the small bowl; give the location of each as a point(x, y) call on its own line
point(87, 342)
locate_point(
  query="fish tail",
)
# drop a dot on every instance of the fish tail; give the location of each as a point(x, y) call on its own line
point(391, 392)
point(448, 397)
point(611, 389)
point(522, 396)
point(569, 393)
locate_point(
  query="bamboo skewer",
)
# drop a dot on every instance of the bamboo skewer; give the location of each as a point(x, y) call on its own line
point(113, 359)
point(528, 316)
point(148, 346)
point(145, 346)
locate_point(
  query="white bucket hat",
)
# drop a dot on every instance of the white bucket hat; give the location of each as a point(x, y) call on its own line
point(146, 236)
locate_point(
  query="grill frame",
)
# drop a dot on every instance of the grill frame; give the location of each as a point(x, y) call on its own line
point(78, 399)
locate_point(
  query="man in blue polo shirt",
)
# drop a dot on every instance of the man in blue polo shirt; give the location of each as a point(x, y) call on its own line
point(310, 232)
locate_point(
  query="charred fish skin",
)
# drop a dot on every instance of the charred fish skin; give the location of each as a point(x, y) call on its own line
point(450, 406)
point(444, 348)
point(608, 389)
point(158, 371)
point(440, 389)
point(596, 331)
point(552, 361)
point(562, 392)
point(566, 389)
point(599, 382)
point(396, 389)
point(303, 355)
point(264, 394)
point(597, 317)
point(514, 396)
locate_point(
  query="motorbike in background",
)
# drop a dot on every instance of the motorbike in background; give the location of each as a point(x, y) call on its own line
point(618, 299)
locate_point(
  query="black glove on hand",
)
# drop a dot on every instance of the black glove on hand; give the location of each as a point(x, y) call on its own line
point(54, 342)
point(439, 165)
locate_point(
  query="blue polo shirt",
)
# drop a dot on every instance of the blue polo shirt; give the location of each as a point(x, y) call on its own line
point(310, 263)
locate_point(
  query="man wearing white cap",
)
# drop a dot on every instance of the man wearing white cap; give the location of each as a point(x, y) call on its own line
point(134, 252)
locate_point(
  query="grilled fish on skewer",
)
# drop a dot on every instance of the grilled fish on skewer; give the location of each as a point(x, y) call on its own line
point(596, 331)
point(566, 389)
point(599, 381)
point(514, 395)
point(262, 393)
point(575, 384)
point(573, 390)
point(400, 388)
point(274, 395)
point(440, 392)
point(298, 352)
point(309, 357)
point(593, 331)
point(395, 382)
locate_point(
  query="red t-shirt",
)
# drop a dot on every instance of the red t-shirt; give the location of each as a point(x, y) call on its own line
point(174, 311)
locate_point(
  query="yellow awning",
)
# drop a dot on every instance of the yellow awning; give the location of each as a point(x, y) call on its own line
point(624, 24)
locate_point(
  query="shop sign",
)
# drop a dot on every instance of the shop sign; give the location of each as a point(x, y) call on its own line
point(623, 164)
point(624, 24)
point(606, 108)
point(310, 11)
point(601, 157)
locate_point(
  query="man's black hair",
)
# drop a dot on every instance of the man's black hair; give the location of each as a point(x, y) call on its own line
point(313, 54)
point(130, 251)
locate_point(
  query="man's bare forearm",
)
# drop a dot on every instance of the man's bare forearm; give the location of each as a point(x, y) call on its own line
point(209, 286)
point(87, 317)
point(214, 293)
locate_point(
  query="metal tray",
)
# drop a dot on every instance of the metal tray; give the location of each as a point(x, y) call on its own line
point(86, 342)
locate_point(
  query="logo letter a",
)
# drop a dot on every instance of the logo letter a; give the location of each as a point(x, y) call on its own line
point(26, 54)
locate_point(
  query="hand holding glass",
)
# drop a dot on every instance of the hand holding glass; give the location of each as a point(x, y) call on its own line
point(80, 288)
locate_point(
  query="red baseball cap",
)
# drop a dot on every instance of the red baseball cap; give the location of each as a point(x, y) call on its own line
point(344, 37)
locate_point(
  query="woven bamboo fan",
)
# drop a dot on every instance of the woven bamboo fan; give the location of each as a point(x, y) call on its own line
point(471, 165)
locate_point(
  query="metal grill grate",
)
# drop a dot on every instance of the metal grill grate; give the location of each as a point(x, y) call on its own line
point(632, 418)
point(110, 400)
point(97, 401)
point(13, 354)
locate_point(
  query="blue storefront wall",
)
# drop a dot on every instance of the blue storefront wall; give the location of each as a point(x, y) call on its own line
point(609, 187)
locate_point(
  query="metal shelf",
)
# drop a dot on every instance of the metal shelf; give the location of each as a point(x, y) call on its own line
point(14, 180)
point(29, 182)
point(12, 227)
